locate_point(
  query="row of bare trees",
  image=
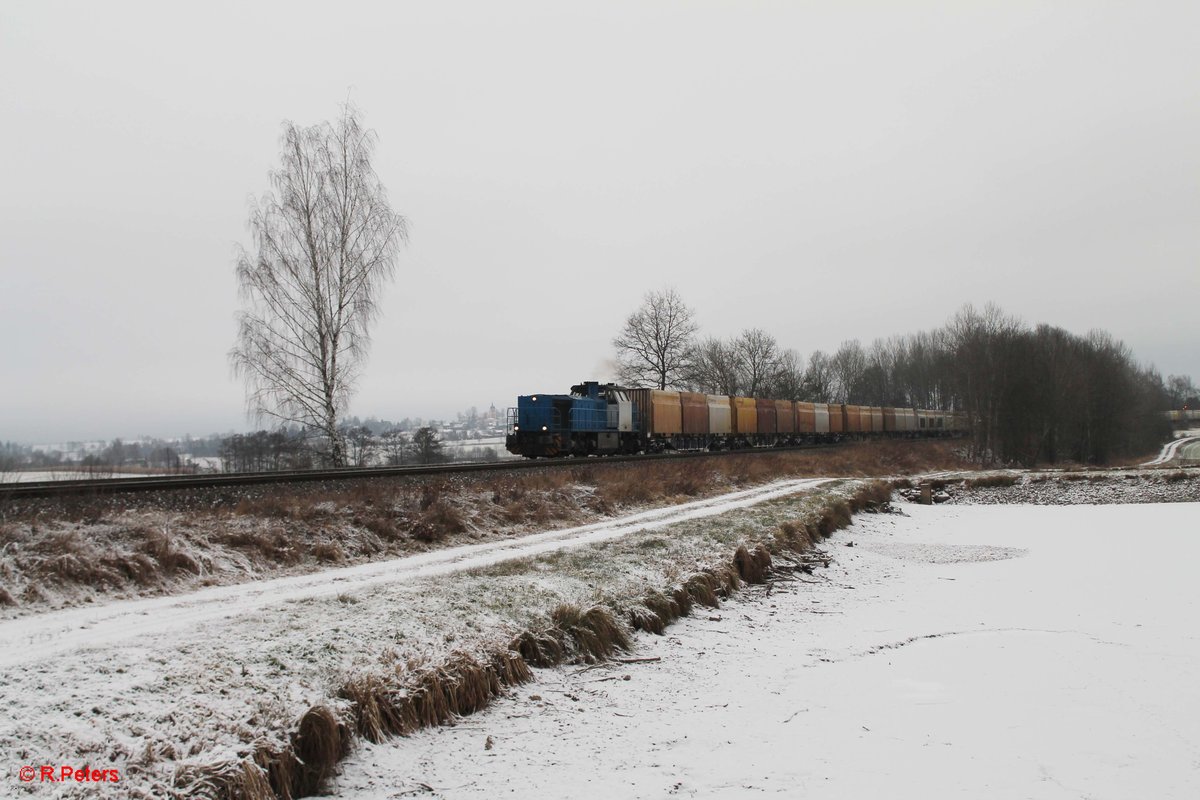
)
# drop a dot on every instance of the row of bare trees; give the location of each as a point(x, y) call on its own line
point(1031, 393)
point(298, 449)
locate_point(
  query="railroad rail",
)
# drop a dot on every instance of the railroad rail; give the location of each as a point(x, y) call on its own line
point(148, 483)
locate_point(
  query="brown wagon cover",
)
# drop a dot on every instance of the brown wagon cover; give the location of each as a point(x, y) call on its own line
point(659, 412)
point(853, 418)
point(745, 415)
point(785, 416)
point(837, 418)
point(695, 412)
point(806, 418)
point(766, 415)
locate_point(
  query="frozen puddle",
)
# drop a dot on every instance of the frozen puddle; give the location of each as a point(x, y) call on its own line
point(966, 651)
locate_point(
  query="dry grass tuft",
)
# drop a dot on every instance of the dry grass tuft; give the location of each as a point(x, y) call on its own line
point(438, 520)
point(665, 608)
point(752, 565)
point(596, 634)
point(726, 579)
point(252, 783)
point(539, 649)
point(382, 526)
point(643, 619)
point(833, 517)
point(364, 695)
point(795, 536)
point(626, 488)
point(279, 765)
point(871, 496)
point(160, 545)
point(683, 600)
point(511, 668)
point(702, 588)
point(271, 544)
point(321, 741)
point(229, 780)
point(657, 611)
point(328, 552)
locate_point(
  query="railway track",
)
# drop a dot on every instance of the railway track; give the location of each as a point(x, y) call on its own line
point(146, 483)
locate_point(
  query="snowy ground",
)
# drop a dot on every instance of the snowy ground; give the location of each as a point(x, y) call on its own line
point(33, 476)
point(154, 685)
point(954, 651)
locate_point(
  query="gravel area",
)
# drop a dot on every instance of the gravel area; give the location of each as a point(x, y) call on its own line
point(1085, 488)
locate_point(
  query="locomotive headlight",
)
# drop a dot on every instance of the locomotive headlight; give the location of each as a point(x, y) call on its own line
point(534, 398)
point(516, 428)
point(543, 427)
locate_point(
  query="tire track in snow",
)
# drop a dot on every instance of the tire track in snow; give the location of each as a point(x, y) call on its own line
point(52, 634)
point(1170, 450)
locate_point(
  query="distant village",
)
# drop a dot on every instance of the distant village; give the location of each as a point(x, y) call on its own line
point(472, 436)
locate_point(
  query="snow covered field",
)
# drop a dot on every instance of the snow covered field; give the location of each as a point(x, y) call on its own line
point(953, 651)
point(33, 476)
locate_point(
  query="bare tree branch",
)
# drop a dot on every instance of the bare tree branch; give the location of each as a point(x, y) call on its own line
point(326, 241)
point(653, 348)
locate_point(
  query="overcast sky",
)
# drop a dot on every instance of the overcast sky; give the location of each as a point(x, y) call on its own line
point(824, 171)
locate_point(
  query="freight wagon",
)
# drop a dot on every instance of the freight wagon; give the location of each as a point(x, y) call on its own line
point(599, 419)
point(1185, 415)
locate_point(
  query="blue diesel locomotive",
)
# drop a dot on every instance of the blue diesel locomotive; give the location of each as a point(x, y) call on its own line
point(594, 419)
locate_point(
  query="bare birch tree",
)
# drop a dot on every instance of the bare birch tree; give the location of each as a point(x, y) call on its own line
point(654, 346)
point(326, 241)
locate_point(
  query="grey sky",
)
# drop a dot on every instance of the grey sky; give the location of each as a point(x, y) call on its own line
point(824, 171)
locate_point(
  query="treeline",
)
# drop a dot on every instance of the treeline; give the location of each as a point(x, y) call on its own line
point(369, 442)
point(296, 449)
point(1032, 394)
point(156, 454)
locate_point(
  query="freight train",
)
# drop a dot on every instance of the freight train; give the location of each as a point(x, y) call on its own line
point(604, 419)
point(1185, 416)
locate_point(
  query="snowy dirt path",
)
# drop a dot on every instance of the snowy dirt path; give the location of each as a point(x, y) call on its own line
point(983, 652)
point(1171, 450)
point(53, 634)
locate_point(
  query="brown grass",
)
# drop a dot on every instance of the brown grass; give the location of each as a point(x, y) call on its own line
point(988, 481)
point(328, 552)
point(752, 565)
point(595, 633)
point(833, 517)
point(796, 536)
point(383, 526)
point(872, 496)
point(540, 649)
point(270, 544)
point(160, 545)
point(437, 521)
point(702, 588)
point(658, 610)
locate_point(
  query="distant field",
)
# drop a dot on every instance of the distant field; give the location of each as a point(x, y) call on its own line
point(30, 476)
